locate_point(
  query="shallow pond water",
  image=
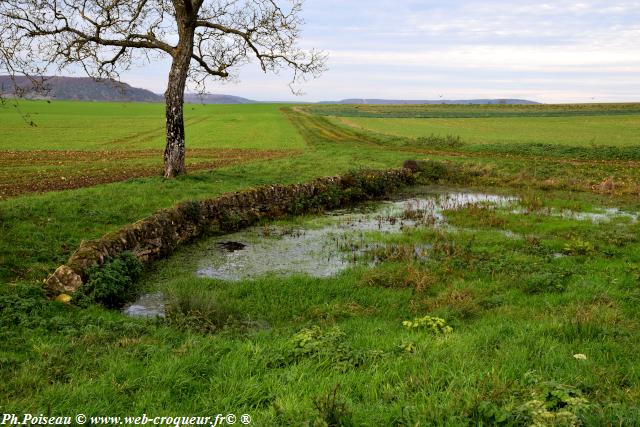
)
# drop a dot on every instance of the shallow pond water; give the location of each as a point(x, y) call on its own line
point(147, 305)
point(322, 246)
point(330, 248)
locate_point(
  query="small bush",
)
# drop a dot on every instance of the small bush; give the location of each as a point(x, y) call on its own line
point(551, 404)
point(460, 303)
point(410, 164)
point(20, 304)
point(399, 276)
point(192, 210)
point(432, 171)
point(111, 284)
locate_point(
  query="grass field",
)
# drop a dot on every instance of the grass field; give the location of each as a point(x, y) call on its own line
point(76, 144)
point(578, 130)
point(96, 126)
point(524, 287)
point(593, 132)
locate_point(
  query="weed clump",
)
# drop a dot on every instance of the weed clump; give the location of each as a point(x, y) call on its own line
point(111, 284)
point(332, 411)
point(547, 281)
point(435, 325)
point(325, 346)
point(552, 404)
point(194, 311)
point(399, 276)
point(431, 171)
point(579, 247)
point(20, 305)
point(410, 164)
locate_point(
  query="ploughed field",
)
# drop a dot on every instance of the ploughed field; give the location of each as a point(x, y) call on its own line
point(504, 289)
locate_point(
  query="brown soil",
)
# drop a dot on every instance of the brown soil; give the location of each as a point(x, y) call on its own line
point(23, 172)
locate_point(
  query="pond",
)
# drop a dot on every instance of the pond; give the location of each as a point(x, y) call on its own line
point(323, 246)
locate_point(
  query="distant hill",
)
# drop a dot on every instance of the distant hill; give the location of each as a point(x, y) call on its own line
point(79, 89)
point(441, 101)
point(88, 89)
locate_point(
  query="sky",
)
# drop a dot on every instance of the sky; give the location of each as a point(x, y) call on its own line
point(556, 52)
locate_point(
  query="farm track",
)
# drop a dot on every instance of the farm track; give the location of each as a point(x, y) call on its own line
point(150, 135)
point(23, 172)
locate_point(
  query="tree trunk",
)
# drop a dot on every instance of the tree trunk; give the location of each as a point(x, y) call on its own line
point(174, 152)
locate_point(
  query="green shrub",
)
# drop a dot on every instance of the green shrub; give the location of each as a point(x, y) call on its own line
point(192, 210)
point(551, 404)
point(111, 284)
point(20, 304)
point(432, 171)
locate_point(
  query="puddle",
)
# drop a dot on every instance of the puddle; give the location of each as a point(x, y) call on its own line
point(147, 305)
point(598, 216)
point(601, 215)
point(321, 250)
point(325, 251)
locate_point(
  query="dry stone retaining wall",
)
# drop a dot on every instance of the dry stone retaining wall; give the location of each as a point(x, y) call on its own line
point(160, 234)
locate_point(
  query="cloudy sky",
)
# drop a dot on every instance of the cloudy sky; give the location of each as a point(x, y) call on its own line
point(561, 51)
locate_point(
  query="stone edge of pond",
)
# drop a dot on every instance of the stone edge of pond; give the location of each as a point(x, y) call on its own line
point(160, 234)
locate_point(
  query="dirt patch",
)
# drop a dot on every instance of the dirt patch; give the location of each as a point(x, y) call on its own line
point(23, 172)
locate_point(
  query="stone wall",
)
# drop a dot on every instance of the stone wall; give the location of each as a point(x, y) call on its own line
point(160, 234)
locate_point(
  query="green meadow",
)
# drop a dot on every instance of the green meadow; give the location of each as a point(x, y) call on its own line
point(524, 313)
point(577, 130)
point(95, 126)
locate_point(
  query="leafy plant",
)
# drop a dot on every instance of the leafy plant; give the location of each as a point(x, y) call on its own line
point(547, 281)
point(194, 310)
point(435, 325)
point(111, 284)
point(552, 405)
point(327, 347)
point(579, 247)
point(556, 405)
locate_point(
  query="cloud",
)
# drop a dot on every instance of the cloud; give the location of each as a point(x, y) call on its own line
point(550, 51)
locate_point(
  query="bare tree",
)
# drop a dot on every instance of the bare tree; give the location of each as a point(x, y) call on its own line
point(203, 38)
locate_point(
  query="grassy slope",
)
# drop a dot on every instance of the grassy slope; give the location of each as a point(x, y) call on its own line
point(508, 340)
